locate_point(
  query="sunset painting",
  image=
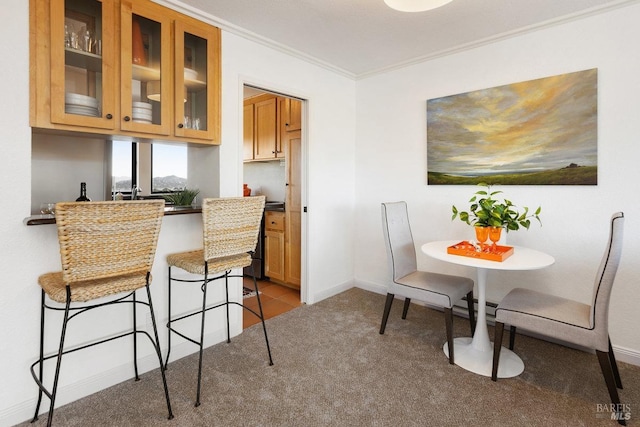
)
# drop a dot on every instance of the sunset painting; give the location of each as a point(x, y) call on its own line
point(538, 132)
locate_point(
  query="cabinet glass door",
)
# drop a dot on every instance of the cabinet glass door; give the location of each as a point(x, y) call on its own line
point(196, 81)
point(145, 58)
point(82, 63)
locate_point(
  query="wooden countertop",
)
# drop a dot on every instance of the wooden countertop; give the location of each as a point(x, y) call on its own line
point(50, 219)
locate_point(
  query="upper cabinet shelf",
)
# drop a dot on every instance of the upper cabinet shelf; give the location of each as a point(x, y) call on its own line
point(85, 60)
point(126, 68)
point(144, 74)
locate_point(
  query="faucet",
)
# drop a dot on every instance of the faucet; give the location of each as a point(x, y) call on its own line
point(135, 190)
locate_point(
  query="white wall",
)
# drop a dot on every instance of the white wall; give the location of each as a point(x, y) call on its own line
point(27, 252)
point(82, 159)
point(391, 163)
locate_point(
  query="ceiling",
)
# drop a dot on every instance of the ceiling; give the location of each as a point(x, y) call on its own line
point(364, 37)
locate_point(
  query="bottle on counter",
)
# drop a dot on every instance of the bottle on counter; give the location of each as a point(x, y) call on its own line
point(83, 193)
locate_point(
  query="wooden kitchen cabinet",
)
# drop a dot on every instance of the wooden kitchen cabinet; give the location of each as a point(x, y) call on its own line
point(124, 67)
point(291, 114)
point(293, 202)
point(274, 224)
point(263, 121)
point(247, 131)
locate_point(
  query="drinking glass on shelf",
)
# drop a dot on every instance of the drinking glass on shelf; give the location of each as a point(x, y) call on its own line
point(48, 208)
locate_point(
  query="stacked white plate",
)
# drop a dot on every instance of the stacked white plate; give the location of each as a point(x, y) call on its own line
point(190, 74)
point(142, 112)
point(75, 103)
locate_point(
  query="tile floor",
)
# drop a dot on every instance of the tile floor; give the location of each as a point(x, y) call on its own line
point(276, 299)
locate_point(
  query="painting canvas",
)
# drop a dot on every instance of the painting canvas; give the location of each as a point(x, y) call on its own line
point(537, 132)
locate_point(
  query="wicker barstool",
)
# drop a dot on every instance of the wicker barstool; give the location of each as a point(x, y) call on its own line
point(230, 229)
point(107, 250)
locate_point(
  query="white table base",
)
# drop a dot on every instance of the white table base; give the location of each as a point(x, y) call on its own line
point(481, 362)
point(476, 354)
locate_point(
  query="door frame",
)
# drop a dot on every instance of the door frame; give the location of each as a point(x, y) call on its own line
point(269, 87)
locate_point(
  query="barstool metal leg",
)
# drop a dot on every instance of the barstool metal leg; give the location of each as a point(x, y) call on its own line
point(264, 326)
point(41, 361)
point(156, 346)
point(204, 310)
point(56, 377)
point(135, 339)
point(166, 363)
point(226, 290)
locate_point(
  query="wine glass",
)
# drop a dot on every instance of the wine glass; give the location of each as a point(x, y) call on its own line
point(482, 234)
point(494, 235)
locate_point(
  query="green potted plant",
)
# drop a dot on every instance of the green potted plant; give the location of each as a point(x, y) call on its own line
point(488, 211)
point(183, 197)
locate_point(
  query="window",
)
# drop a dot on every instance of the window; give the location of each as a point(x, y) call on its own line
point(122, 166)
point(156, 168)
point(168, 168)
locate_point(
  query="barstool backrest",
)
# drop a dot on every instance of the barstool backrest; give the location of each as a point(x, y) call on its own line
point(231, 225)
point(107, 239)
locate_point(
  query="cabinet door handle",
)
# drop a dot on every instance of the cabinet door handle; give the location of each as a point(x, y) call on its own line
point(127, 118)
point(109, 116)
point(180, 125)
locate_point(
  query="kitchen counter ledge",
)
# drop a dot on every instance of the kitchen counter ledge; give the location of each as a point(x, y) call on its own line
point(51, 219)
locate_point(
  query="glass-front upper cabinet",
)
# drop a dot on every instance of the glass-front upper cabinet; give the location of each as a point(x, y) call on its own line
point(197, 80)
point(146, 89)
point(82, 62)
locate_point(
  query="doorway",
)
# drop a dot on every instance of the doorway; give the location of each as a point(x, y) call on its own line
point(273, 166)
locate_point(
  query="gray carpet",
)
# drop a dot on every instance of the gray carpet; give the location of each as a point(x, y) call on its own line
point(333, 368)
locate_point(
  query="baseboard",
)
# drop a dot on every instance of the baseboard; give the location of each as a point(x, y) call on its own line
point(335, 290)
point(68, 393)
point(71, 392)
point(622, 354)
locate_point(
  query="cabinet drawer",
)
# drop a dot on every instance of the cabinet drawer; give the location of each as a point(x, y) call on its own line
point(274, 221)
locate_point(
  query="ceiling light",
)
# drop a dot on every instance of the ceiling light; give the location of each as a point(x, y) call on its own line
point(415, 5)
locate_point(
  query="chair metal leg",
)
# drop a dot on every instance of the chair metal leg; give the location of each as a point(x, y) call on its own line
point(472, 312)
point(166, 363)
point(405, 308)
point(226, 306)
point(497, 346)
point(264, 326)
point(607, 372)
point(204, 310)
point(448, 320)
point(385, 313)
point(56, 376)
point(512, 337)
point(41, 358)
point(135, 339)
point(156, 346)
point(614, 366)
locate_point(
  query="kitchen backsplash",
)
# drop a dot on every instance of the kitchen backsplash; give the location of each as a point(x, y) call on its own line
point(266, 178)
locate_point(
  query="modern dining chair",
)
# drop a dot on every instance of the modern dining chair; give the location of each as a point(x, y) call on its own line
point(566, 320)
point(435, 289)
point(107, 251)
point(230, 234)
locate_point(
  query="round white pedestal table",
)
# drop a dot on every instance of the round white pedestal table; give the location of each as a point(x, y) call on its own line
point(475, 353)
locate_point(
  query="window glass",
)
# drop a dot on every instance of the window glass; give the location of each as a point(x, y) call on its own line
point(168, 168)
point(121, 166)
